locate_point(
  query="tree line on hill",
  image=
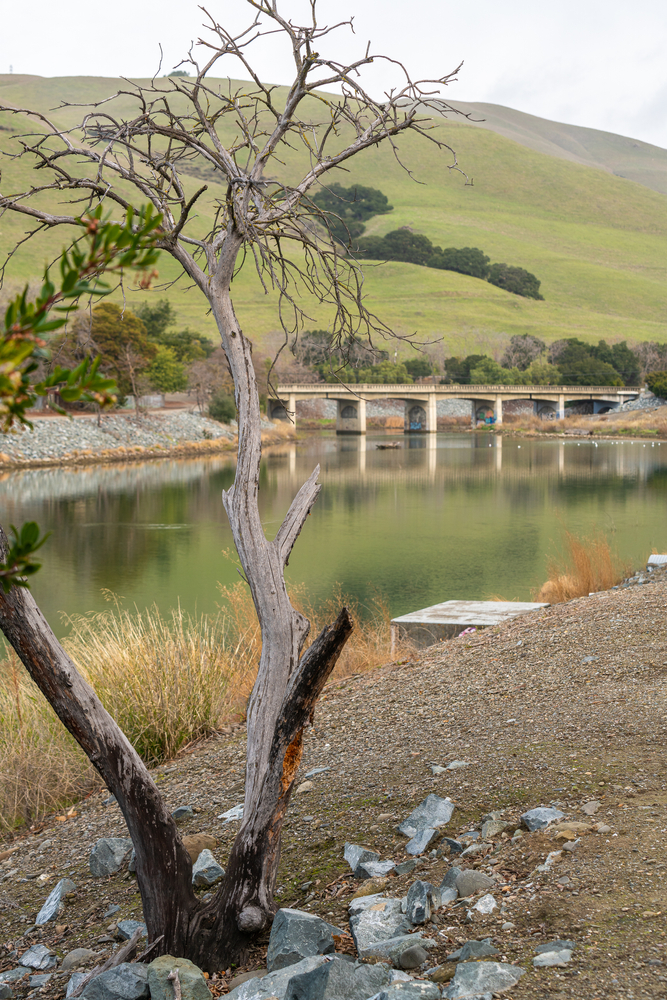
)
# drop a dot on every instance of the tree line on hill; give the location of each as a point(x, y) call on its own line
point(526, 361)
point(346, 210)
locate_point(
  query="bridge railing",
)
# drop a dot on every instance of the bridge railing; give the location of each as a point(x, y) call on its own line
point(454, 388)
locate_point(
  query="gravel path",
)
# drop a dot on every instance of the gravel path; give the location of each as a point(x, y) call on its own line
point(566, 708)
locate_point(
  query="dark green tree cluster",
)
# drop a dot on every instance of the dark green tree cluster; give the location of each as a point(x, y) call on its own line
point(415, 248)
point(585, 364)
point(657, 383)
point(347, 209)
point(526, 361)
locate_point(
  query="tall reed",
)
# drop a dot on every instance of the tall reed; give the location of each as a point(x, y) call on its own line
point(167, 680)
point(587, 566)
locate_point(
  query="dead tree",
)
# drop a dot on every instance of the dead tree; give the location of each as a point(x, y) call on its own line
point(239, 139)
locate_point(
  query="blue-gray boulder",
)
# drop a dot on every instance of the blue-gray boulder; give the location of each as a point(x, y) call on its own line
point(128, 981)
point(339, 979)
point(379, 922)
point(53, 901)
point(422, 899)
point(434, 812)
point(296, 935)
point(414, 990)
point(126, 928)
point(275, 984)
point(540, 818)
point(38, 956)
point(474, 978)
point(206, 871)
point(356, 855)
point(473, 949)
point(108, 855)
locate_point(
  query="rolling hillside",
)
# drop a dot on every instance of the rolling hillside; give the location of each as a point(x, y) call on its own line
point(544, 197)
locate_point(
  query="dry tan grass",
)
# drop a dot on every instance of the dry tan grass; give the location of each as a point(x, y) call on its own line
point(41, 766)
point(588, 566)
point(167, 682)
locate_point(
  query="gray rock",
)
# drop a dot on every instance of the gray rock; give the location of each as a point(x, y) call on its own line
point(421, 840)
point(413, 990)
point(456, 764)
point(126, 928)
point(449, 881)
point(364, 902)
point(191, 978)
point(53, 901)
point(276, 983)
point(556, 946)
point(434, 811)
point(473, 949)
point(132, 863)
point(73, 959)
point(474, 978)
point(469, 882)
point(492, 827)
point(448, 896)
point(183, 813)
point(552, 958)
point(206, 871)
point(508, 926)
point(374, 869)
point(6, 992)
point(474, 849)
point(356, 855)
point(486, 904)
point(35, 982)
point(379, 922)
point(108, 855)
point(391, 949)
point(38, 957)
point(454, 846)
point(114, 908)
point(12, 975)
point(422, 899)
point(338, 979)
point(128, 981)
point(316, 770)
point(74, 980)
point(296, 935)
point(413, 957)
point(408, 866)
point(540, 818)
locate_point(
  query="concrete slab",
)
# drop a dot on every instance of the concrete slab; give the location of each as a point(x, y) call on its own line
point(447, 620)
point(656, 562)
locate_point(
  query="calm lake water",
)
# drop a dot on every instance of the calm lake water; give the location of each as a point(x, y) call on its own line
point(446, 516)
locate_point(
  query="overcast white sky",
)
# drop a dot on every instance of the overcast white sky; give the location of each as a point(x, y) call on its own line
point(599, 63)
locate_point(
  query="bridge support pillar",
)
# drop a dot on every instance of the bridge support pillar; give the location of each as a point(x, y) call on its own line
point(432, 414)
point(498, 411)
point(351, 416)
point(561, 406)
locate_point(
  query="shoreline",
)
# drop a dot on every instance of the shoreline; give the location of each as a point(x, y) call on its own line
point(166, 446)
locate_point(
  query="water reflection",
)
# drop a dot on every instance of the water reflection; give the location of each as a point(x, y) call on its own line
point(442, 516)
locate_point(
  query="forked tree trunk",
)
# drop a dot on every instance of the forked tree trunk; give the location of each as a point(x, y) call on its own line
point(281, 705)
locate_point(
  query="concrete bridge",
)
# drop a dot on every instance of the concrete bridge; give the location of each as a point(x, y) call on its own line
point(420, 401)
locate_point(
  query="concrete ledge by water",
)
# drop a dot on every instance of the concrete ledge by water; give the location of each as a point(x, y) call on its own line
point(447, 620)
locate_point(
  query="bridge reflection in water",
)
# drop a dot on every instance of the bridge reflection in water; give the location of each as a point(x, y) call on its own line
point(447, 516)
point(422, 458)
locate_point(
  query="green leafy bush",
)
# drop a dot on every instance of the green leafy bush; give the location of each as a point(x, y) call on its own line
point(466, 260)
point(515, 280)
point(657, 383)
point(167, 373)
point(222, 408)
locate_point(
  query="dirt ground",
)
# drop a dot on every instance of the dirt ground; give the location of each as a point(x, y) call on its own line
point(566, 707)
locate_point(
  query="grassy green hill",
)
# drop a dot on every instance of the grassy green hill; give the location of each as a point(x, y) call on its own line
point(596, 240)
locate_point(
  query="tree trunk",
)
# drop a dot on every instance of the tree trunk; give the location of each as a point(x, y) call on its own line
point(218, 933)
point(164, 869)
